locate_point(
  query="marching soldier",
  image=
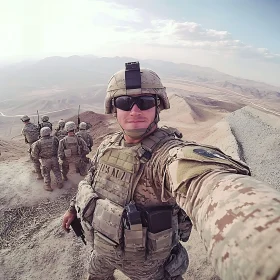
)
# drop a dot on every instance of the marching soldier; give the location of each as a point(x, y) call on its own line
point(71, 150)
point(46, 149)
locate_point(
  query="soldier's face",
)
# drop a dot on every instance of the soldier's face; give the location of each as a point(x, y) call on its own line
point(136, 118)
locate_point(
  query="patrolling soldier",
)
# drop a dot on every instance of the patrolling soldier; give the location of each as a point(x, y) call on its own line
point(85, 135)
point(45, 122)
point(72, 149)
point(31, 134)
point(45, 149)
point(60, 131)
point(126, 202)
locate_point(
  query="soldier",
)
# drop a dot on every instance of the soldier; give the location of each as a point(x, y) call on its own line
point(72, 149)
point(60, 131)
point(85, 135)
point(126, 202)
point(30, 132)
point(45, 149)
point(45, 122)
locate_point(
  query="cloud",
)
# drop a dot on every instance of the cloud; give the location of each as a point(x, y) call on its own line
point(140, 27)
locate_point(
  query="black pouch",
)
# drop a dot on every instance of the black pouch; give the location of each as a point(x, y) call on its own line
point(159, 233)
point(158, 219)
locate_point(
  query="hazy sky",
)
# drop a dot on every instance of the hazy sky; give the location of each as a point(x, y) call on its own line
point(239, 37)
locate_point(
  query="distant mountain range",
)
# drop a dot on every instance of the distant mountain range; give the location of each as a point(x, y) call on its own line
point(84, 74)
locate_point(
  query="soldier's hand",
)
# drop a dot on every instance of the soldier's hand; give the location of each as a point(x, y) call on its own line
point(67, 220)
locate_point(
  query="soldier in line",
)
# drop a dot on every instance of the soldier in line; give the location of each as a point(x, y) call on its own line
point(128, 199)
point(30, 132)
point(85, 135)
point(46, 149)
point(45, 122)
point(60, 131)
point(72, 149)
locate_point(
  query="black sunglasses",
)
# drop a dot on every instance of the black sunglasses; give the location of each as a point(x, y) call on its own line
point(126, 102)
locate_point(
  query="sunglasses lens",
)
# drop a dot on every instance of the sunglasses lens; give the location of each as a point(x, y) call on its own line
point(126, 103)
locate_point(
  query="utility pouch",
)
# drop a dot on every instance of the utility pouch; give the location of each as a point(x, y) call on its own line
point(134, 233)
point(67, 153)
point(158, 219)
point(160, 231)
point(107, 219)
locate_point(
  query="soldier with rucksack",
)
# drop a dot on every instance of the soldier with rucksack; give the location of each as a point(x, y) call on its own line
point(71, 150)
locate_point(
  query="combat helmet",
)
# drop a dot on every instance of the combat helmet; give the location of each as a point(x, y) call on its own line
point(70, 126)
point(25, 118)
point(150, 84)
point(61, 122)
point(134, 81)
point(45, 131)
point(83, 125)
point(45, 118)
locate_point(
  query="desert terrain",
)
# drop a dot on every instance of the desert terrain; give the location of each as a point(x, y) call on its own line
point(241, 117)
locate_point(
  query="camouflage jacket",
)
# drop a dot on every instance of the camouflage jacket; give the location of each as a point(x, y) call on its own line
point(46, 124)
point(77, 145)
point(86, 136)
point(236, 216)
point(45, 147)
point(60, 133)
point(30, 132)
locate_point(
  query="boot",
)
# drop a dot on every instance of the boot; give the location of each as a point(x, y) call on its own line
point(39, 176)
point(48, 188)
point(65, 178)
point(60, 185)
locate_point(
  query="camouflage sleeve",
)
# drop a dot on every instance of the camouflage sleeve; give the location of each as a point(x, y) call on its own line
point(56, 143)
point(85, 149)
point(61, 154)
point(23, 132)
point(35, 151)
point(236, 216)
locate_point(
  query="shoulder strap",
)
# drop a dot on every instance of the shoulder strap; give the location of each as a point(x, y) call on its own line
point(155, 140)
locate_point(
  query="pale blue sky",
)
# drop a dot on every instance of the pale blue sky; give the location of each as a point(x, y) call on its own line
point(238, 37)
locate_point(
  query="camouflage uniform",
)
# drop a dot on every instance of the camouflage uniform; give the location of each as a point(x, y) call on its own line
point(60, 131)
point(85, 135)
point(78, 149)
point(31, 134)
point(45, 122)
point(236, 216)
point(45, 149)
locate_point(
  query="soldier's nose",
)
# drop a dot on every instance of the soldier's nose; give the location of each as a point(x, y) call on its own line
point(135, 110)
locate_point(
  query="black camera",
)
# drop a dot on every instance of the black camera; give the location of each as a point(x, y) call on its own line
point(132, 75)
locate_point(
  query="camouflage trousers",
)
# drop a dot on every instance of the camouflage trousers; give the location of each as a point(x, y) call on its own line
point(106, 259)
point(49, 164)
point(80, 165)
point(36, 162)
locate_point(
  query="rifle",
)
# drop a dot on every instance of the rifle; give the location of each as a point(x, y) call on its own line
point(39, 126)
point(77, 228)
point(79, 121)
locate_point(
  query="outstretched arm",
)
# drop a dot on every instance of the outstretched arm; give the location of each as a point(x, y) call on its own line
point(236, 216)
